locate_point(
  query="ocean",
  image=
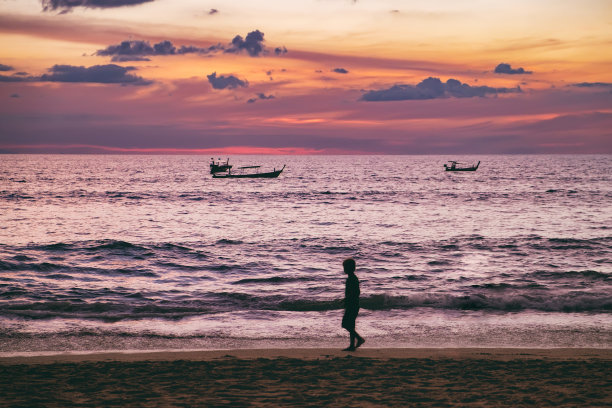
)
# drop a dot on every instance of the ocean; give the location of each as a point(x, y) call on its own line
point(105, 252)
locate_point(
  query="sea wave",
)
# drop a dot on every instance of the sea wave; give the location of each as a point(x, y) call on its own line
point(142, 308)
point(329, 245)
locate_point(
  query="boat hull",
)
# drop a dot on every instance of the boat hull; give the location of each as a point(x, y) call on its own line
point(219, 169)
point(469, 169)
point(272, 174)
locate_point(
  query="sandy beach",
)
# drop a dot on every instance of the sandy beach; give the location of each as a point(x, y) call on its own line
point(311, 377)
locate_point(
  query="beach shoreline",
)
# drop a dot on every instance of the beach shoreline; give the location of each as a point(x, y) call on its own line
point(501, 353)
point(369, 377)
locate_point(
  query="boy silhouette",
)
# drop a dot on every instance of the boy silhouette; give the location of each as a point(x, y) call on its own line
point(351, 304)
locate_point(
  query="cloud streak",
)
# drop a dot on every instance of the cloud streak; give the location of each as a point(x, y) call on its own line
point(261, 96)
point(102, 74)
point(507, 69)
point(239, 150)
point(138, 50)
point(67, 5)
point(15, 77)
point(433, 88)
point(593, 85)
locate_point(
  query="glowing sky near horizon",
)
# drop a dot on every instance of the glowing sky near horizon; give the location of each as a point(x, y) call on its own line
point(311, 76)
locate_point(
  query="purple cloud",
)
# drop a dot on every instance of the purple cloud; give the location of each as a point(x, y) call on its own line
point(260, 96)
point(504, 68)
point(102, 74)
point(67, 5)
point(129, 58)
point(253, 44)
point(138, 50)
point(340, 71)
point(18, 77)
point(593, 85)
point(432, 88)
point(6, 67)
point(226, 82)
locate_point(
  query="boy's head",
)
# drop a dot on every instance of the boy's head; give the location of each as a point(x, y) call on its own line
point(349, 265)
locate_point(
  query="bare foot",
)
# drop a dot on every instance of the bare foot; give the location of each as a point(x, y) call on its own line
point(360, 341)
point(350, 348)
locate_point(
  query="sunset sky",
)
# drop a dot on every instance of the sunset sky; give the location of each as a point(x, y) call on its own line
point(306, 76)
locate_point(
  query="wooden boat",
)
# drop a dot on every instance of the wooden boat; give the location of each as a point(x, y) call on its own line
point(219, 167)
point(247, 172)
point(453, 167)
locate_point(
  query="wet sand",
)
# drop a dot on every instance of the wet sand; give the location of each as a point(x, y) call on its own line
point(312, 377)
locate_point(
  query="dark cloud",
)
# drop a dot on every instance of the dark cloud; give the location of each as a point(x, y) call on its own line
point(432, 88)
point(17, 77)
point(458, 90)
point(103, 74)
point(253, 44)
point(138, 50)
point(213, 11)
point(15, 95)
point(164, 48)
point(191, 49)
point(593, 85)
point(340, 71)
point(6, 67)
point(504, 68)
point(128, 58)
point(67, 5)
point(261, 96)
point(223, 82)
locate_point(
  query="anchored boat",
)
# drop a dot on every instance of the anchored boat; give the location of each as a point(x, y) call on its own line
point(249, 172)
point(456, 166)
point(219, 167)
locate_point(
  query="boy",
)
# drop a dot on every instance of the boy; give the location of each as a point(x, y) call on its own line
point(351, 304)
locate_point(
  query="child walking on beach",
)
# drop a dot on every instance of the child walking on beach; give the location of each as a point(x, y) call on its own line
point(351, 304)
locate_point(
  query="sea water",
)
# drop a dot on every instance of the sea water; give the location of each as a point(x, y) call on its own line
point(101, 252)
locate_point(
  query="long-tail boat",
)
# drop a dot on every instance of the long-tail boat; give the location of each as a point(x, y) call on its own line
point(456, 166)
point(249, 172)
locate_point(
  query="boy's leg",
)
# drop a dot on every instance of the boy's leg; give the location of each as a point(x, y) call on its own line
point(360, 340)
point(351, 347)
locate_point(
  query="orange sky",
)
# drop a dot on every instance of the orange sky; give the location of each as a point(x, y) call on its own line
point(316, 76)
